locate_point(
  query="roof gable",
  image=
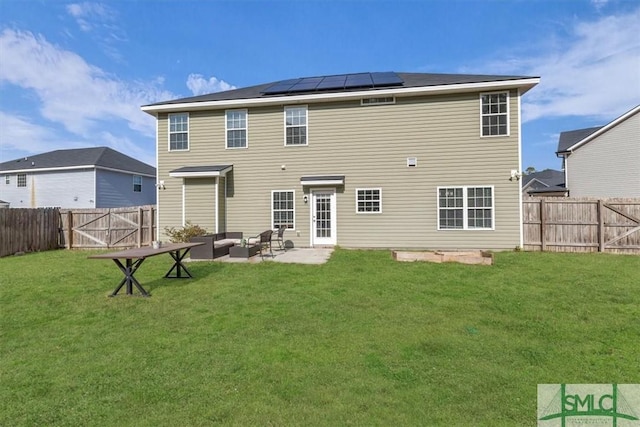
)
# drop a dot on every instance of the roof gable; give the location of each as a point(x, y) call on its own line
point(103, 157)
point(571, 140)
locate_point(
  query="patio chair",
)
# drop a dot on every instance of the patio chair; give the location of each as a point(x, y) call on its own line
point(263, 241)
point(280, 237)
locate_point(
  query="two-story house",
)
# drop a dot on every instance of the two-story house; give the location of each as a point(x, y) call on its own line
point(373, 160)
point(97, 177)
point(603, 161)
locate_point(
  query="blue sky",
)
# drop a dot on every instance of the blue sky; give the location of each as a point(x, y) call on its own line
point(74, 74)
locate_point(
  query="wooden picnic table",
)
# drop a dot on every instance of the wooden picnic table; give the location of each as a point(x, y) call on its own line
point(135, 257)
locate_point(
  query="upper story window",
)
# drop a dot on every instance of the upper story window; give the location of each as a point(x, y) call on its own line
point(22, 180)
point(137, 184)
point(283, 208)
point(295, 119)
point(7, 179)
point(236, 128)
point(368, 200)
point(495, 114)
point(465, 208)
point(178, 131)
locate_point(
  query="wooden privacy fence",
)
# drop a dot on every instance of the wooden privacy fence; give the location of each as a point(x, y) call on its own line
point(108, 227)
point(581, 225)
point(29, 230)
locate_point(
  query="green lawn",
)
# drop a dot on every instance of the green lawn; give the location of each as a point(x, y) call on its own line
point(361, 340)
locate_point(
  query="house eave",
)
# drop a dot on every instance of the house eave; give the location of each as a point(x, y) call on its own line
point(72, 168)
point(523, 84)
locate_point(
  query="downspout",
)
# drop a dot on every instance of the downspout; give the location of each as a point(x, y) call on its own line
point(520, 169)
point(217, 203)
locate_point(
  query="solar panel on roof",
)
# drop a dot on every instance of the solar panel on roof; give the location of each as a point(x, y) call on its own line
point(359, 80)
point(305, 84)
point(332, 82)
point(281, 87)
point(388, 78)
point(339, 81)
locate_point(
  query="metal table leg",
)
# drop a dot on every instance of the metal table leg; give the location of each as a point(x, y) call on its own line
point(178, 265)
point(129, 277)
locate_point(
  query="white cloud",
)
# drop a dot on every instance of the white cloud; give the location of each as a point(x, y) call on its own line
point(21, 135)
point(599, 4)
point(101, 22)
point(199, 85)
point(595, 72)
point(72, 92)
point(124, 145)
point(85, 13)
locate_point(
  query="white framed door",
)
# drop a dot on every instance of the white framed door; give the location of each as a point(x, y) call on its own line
point(323, 217)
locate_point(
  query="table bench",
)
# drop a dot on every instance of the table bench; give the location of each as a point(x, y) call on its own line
point(135, 257)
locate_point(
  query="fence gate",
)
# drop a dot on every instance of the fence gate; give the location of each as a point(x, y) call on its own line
point(619, 229)
point(108, 228)
point(581, 225)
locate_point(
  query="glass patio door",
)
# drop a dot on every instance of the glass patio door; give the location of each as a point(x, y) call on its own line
point(323, 217)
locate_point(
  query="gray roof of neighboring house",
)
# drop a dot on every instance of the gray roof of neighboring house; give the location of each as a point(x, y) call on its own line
point(409, 80)
point(96, 156)
point(548, 177)
point(552, 189)
point(572, 137)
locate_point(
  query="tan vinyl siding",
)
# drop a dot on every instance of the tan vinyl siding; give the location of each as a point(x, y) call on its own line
point(370, 146)
point(200, 202)
point(609, 165)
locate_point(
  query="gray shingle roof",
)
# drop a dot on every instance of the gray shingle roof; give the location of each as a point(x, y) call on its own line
point(97, 156)
point(570, 138)
point(552, 189)
point(548, 180)
point(548, 177)
point(410, 80)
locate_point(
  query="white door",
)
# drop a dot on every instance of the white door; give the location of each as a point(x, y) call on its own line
point(323, 217)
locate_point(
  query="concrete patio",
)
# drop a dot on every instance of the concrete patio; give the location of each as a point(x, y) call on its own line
point(291, 256)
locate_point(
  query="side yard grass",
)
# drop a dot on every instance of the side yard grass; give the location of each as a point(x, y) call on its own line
point(361, 340)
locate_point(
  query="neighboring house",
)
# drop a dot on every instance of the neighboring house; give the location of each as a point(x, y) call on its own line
point(374, 160)
point(603, 161)
point(4, 204)
point(546, 183)
point(78, 178)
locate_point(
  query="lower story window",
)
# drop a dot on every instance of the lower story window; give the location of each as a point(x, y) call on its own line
point(368, 200)
point(465, 208)
point(137, 184)
point(283, 209)
point(22, 180)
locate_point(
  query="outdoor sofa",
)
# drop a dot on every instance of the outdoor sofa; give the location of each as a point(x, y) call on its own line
point(215, 245)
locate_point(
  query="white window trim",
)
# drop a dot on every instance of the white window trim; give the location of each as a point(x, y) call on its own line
point(465, 208)
point(294, 207)
point(508, 114)
point(285, 125)
point(7, 179)
point(169, 132)
point(246, 129)
point(379, 201)
point(18, 176)
point(134, 183)
point(376, 100)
